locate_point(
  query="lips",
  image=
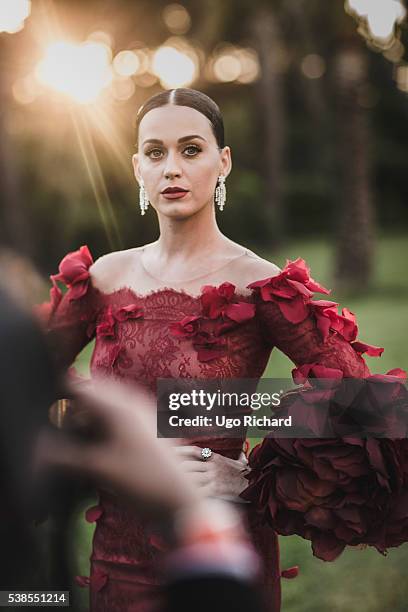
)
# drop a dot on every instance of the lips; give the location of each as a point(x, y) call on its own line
point(175, 190)
point(174, 193)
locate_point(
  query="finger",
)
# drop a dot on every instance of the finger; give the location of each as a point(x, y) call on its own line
point(194, 466)
point(189, 452)
point(198, 479)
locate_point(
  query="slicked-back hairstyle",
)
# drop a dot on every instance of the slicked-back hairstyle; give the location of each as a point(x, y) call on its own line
point(187, 97)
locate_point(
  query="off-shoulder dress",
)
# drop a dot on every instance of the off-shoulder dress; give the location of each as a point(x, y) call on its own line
point(223, 331)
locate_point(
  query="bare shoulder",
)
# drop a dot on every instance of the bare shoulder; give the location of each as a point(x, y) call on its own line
point(251, 268)
point(108, 268)
point(255, 267)
point(252, 264)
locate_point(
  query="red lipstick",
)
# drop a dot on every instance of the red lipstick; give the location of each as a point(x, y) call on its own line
point(174, 193)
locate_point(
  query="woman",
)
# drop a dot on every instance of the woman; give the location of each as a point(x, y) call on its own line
point(191, 304)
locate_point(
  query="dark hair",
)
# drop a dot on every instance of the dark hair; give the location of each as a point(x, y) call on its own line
point(187, 97)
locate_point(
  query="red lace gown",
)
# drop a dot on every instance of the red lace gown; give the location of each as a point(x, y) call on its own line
point(168, 333)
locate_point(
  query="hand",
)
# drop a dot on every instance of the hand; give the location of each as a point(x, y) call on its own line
point(219, 476)
point(126, 456)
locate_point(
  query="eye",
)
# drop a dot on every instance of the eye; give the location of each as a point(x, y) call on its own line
point(154, 153)
point(192, 150)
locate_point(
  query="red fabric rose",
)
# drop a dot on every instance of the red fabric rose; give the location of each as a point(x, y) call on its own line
point(217, 302)
point(328, 318)
point(132, 311)
point(186, 328)
point(74, 272)
point(333, 492)
point(214, 300)
point(217, 305)
point(339, 490)
point(107, 324)
point(206, 342)
point(292, 289)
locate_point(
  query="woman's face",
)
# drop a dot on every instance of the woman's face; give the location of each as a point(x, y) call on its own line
point(177, 148)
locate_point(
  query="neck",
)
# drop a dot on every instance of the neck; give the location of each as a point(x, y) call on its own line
point(190, 238)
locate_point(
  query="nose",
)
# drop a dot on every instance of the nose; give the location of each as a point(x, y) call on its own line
point(172, 168)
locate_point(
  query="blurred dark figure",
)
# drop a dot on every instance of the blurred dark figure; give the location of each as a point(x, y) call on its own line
point(35, 516)
point(28, 387)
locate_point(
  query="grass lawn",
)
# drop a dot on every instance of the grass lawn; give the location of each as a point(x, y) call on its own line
point(359, 579)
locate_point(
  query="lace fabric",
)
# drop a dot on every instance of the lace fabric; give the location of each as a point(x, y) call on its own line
point(216, 332)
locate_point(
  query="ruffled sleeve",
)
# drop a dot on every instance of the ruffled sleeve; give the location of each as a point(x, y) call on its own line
point(68, 319)
point(309, 331)
point(332, 491)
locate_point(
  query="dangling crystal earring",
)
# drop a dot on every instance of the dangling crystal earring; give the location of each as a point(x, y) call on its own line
point(143, 199)
point(220, 192)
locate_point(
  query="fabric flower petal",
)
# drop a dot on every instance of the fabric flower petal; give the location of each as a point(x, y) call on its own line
point(290, 572)
point(227, 290)
point(317, 370)
point(82, 581)
point(362, 347)
point(398, 373)
point(214, 300)
point(240, 312)
point(186, 328)
point(132, 311)
point(74, 272)
point(106, 326)
point(292, 289)
point(93, 514)
point(294, 310)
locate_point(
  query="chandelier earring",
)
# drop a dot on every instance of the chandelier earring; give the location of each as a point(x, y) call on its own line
point(143, 199)
point(220, 192)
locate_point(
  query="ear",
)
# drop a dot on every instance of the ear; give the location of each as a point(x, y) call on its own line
point(226, 161)
point(135, 164)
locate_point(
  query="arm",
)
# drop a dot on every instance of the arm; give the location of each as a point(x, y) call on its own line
point(332, 491)
point(309, 331)
point(69, 319)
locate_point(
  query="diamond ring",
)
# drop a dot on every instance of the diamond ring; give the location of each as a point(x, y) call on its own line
point(206, 453)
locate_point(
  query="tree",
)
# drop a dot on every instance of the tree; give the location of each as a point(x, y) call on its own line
point(355, 234)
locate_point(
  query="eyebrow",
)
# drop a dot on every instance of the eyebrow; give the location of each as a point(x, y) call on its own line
point(183, 139)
